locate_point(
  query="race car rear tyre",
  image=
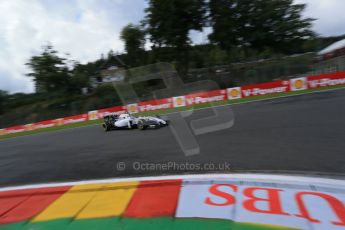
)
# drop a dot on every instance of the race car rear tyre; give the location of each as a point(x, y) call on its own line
point(141, 125)
point(106, 128)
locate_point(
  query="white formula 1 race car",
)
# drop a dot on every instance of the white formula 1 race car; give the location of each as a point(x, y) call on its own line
point(127, 121)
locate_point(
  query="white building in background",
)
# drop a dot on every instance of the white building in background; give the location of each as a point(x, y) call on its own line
point(331, 59)
point(113, 73)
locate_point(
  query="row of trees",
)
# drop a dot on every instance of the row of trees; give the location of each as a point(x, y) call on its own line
point(239, 28)
point(53, 73)
point(275, 25)
point(49, 71)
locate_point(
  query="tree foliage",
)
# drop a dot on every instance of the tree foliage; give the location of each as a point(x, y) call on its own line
point(54, 74)
point(169, 22)
point(3, 97)
point(49, 71)
point(259, 24)
point(80, 77)
point(134, 39)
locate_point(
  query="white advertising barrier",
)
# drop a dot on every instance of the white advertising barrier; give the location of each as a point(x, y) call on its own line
point(295, 206)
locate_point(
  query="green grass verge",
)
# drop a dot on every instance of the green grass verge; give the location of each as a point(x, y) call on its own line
point(172, 110)
point(158, 223)
point(56, 128)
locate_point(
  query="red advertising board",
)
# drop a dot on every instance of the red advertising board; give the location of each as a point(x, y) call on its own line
point(265, 88)
point(15, 129)
point(206, 97)
point(281, 86)
point(325, 80)
point(42, 125)
point(155, 105)
point(75, 119)
point(112, 110)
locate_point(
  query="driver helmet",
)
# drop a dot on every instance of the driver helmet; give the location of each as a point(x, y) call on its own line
point(124, 116)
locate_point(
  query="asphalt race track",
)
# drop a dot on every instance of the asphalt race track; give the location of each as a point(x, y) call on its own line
point(294, 134)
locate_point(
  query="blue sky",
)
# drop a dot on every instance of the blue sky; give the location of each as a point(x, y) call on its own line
point(87, 28)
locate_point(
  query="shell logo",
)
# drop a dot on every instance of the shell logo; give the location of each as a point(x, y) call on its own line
point(234, 93)
point(179, 101)
point(93, 115)
point(29, 127)
point(298, 84)
point(59, 121)
point(2, 132)
point(132, 108)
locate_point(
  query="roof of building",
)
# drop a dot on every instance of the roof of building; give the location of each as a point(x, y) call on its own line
point(337, 45)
